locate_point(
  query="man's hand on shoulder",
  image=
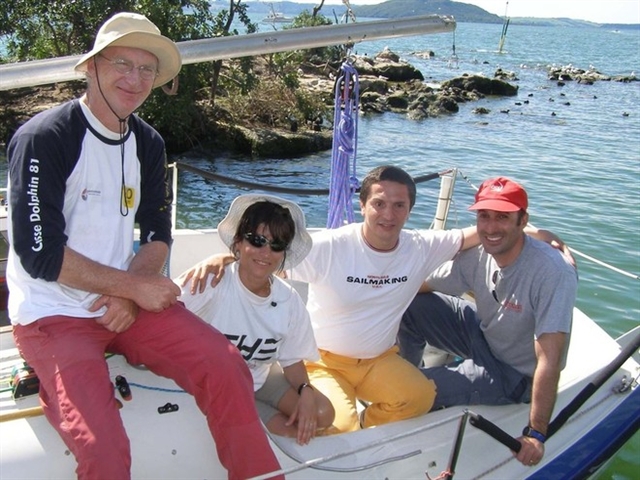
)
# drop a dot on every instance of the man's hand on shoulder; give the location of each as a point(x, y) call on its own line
point(552, 239)
point(199, 273)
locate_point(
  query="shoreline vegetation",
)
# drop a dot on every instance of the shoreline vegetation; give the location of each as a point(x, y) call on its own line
point(278, 105)
point(263, 126)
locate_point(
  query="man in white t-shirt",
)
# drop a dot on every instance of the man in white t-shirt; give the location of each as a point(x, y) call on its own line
point(82, 175)
point(362, 277)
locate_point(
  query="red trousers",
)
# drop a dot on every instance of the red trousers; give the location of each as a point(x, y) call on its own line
point(78, 397)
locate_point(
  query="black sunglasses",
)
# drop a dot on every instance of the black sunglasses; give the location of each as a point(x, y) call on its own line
point(260, 241)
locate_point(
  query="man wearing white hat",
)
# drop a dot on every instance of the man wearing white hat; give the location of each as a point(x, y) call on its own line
point(80, 176)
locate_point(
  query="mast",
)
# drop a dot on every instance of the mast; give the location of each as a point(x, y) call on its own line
point(505, 26)
point(42, 72)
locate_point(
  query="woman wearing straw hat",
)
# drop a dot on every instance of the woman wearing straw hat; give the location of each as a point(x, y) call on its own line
point(80, 176)
point(264, 316)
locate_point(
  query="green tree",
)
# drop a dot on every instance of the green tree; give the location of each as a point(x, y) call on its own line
point(247, 79)
point(241, 90)
point(37, 30)
point(286, 64)
point(319, 54)
point(274, 98)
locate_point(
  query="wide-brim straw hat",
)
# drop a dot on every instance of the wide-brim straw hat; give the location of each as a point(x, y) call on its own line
point(132, 30)
point(301, 243)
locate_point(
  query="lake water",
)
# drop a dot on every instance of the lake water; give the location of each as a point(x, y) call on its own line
point(581, 166)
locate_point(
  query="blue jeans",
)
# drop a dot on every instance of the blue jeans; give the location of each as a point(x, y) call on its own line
point(476, 377)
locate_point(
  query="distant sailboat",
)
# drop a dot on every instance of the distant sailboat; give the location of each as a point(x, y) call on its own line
point(505, 26)
point(276, 17)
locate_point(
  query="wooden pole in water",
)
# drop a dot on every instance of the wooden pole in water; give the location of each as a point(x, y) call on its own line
point(505, 26)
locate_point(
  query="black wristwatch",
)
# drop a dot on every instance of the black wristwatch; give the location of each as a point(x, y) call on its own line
point(303, 385)
point(530, 432)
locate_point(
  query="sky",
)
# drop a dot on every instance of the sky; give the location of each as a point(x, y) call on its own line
point(598, 11)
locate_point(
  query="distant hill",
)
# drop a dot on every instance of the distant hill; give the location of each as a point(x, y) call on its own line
point(570, 22)
point(462, 12)
point(391, 9)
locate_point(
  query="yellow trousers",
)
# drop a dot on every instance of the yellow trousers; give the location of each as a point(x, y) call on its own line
point(394, 389)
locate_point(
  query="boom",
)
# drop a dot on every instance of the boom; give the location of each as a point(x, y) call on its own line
point(42, 72)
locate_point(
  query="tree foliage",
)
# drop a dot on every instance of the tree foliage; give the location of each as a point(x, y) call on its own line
point(285, 64)
point(54, 28)
point(277, 100)
point(38, 30)
point(306, 19)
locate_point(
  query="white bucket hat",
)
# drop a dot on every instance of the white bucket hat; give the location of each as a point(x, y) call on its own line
point(127, 29)
point(301, 243)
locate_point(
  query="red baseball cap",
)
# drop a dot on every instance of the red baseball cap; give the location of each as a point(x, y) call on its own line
point(500, 194)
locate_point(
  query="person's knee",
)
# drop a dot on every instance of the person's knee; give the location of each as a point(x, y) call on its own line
point(415, 316)
point(417, 305)
point(424, 300)
point(326, 414)
point(420, 397)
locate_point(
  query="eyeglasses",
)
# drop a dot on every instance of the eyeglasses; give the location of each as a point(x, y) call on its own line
point(260, 241)
point(494, 280)
point(125, 67)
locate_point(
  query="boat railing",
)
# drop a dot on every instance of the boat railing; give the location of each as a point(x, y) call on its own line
point(447, 177)
point(573, 250)
point(317, 462)
point(447, 183)
point(43, 72)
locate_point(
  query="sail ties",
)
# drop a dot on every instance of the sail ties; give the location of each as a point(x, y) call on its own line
point(344, 182)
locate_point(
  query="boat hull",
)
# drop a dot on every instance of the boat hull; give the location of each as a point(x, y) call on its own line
point(591, 451)
point(178, 445)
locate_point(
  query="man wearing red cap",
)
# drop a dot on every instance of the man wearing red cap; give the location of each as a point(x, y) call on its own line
point(512, 342)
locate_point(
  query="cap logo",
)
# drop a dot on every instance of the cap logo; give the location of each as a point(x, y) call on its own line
point(497, 187)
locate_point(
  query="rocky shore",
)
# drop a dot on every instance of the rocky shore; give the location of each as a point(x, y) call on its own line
point(569, 73)
point(386, 82)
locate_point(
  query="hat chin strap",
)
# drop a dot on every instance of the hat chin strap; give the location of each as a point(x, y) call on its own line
point(122, 122)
